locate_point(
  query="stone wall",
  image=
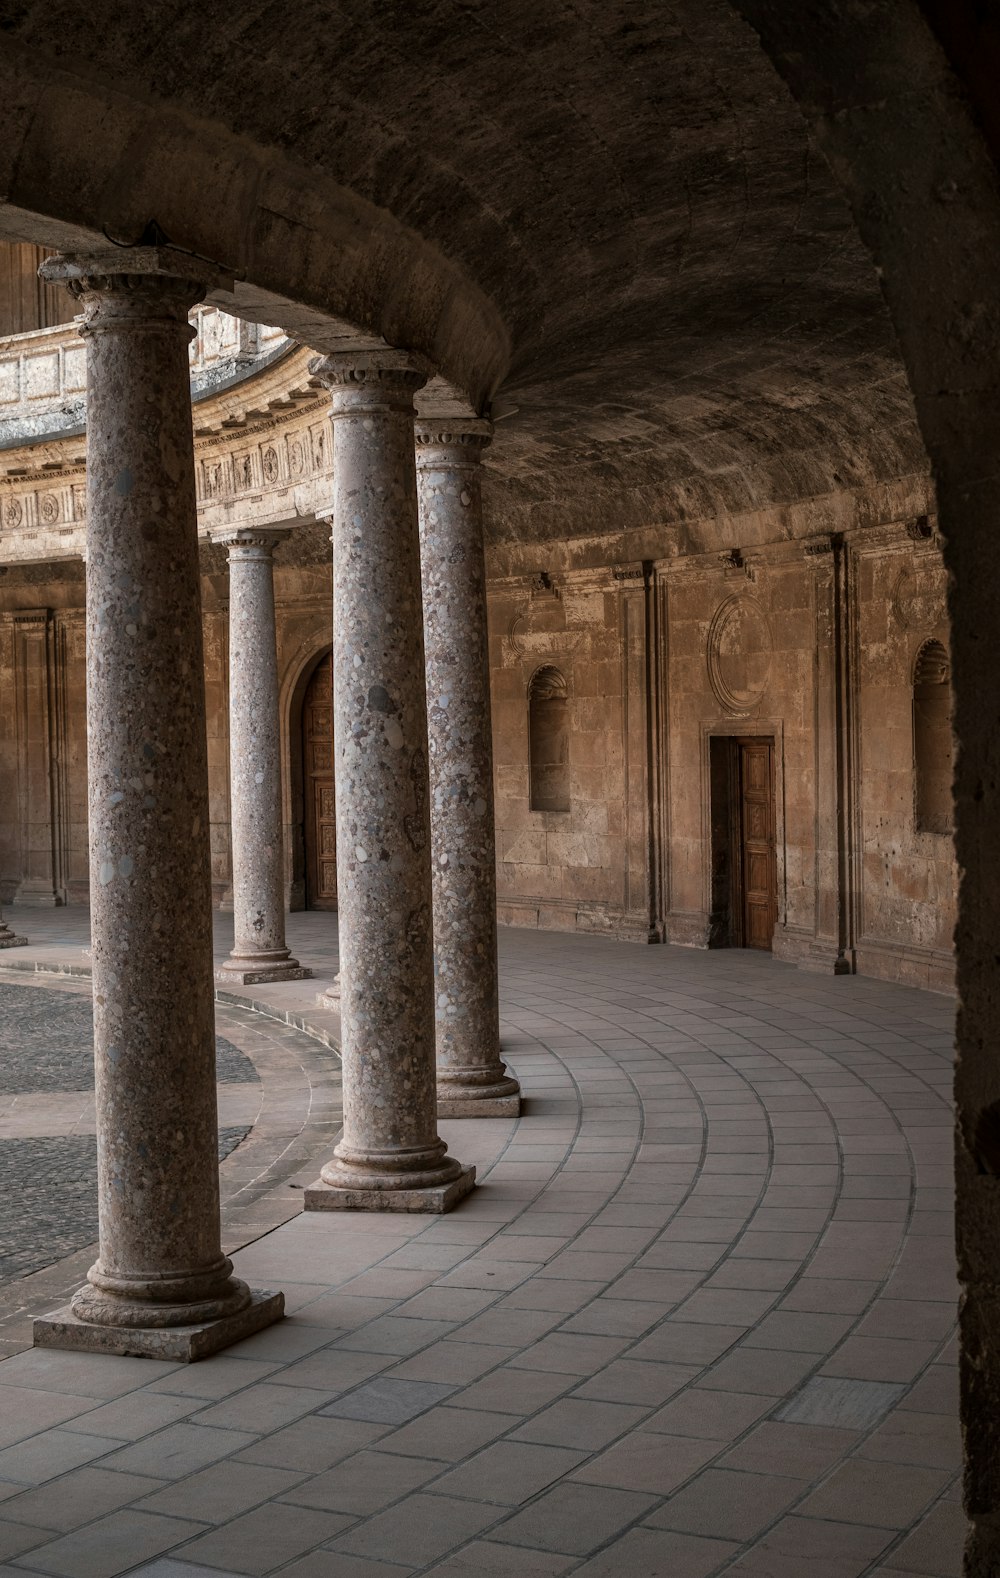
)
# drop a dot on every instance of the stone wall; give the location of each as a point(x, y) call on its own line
point(809, 643)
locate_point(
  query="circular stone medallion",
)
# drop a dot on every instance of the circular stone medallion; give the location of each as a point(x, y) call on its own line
point(739, 653)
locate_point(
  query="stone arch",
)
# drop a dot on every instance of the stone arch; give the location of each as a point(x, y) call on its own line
point(299, 671)
point(548, 740)
point(932, 743)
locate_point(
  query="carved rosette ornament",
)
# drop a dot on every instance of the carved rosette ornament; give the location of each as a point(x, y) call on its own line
point(739, 654)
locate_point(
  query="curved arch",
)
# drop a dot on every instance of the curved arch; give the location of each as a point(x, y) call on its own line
point(298, 671)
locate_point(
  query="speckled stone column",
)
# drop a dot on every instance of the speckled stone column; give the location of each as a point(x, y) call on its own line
point(161, 1285)
point(259, 951)
point(472, 1078)
point(390, 1157)
point(7, 938)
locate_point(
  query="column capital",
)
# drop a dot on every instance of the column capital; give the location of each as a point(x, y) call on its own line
point(119, 286)
point(249, 542)
point(367, 380)
point(458, 440)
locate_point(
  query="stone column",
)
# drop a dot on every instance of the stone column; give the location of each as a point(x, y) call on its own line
point(259, 951)
point(471, 1076)
point(161, 1285)
point(390, 1157)
point(8, 939)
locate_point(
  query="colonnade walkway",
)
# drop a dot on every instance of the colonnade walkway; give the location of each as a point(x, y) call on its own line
point(696, 1319)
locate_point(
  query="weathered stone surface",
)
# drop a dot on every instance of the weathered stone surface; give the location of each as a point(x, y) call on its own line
point(184, 1344)
point(470, 1070)
point(390, 1141)
point(160, 1262)
point(8, 938)
point(259, 952)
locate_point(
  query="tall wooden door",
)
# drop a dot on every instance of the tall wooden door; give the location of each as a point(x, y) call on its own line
point(317, 788)
point(758, 900)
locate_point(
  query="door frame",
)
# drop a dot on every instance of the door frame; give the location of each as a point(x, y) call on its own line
point(771, 729)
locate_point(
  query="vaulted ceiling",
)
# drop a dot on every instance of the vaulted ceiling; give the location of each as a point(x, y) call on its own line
point(604, 221)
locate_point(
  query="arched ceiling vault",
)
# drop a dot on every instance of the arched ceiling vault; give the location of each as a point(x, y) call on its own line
point(606, 220)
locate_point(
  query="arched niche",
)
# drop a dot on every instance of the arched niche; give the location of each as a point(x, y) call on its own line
point(548, 740)
point(932, 739)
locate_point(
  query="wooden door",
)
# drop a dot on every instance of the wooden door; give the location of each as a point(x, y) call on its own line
point(756, 864)
point(318, 792)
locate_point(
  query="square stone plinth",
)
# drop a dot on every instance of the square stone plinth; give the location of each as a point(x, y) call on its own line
point(10, 941)
point(488, 1107)
point(322, 1196)
point(274, 972)
point(182, 1344)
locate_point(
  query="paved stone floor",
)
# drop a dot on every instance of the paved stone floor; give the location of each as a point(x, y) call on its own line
point(697, 1318)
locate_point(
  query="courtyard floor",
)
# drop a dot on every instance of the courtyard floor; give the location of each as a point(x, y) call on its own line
point(697, 1319)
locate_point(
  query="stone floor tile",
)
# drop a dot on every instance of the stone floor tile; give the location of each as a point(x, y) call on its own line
point(331, 1370)
point(453, 1363)
point(800, 1547)
point(263, 1539)
point(887, 1495)
point(446, 1433)
point(759, 1370)
point(928, 1440)
point(113, 1544)
point(709, 1415)
point(393, 1334)
point(80, 1496)
point(505, 1324)
point(177, 1451)
point(657, 1553)
point(290, 1339)
point(553, 1293)
point(576, 1423)
point(263, 1408)
point(727, 1504)
point(934, 1549)
point(633, 1381)
point(798, 1451)
point(418, 1530)
point(388, 1401)
point(574, 1519)
point(566, 1353)
point(318, 1565)
point(643, 1461)
point(508, 1472)
point(686, 1342)
point(450, 1304)
point(726, 1306)
point(851, 1405)
point(135, 1415)
point(313, 1444)
point(213, 1378)
point(52, 1452)
point(936, 1392)
point(508, 1391)
point(81, 1374)
point(364, 1483)
point(24, 1411)
point(16, 1538)
point(483, 1559)
point(221, 1492)
point(879, 1359)
point(615, 1318)
point(772, 1275)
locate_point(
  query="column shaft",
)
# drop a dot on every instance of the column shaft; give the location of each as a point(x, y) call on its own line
point(472, 1080)
point(160, 1265)
point(259, 951)
point(390, 1157)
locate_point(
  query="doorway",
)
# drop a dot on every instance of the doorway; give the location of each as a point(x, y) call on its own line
point(744, 867)
point(319, 800)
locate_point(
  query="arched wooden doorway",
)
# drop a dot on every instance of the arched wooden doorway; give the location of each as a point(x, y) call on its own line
point(318, 800)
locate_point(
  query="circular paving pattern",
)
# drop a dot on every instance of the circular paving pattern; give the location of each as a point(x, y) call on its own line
point(48, 1180)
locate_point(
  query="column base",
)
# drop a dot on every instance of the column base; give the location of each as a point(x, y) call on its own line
point(8, 939)
point(322, 1196)
point(242, 972)
point(330, 999)
point(467, 1104)
point(182, 1344)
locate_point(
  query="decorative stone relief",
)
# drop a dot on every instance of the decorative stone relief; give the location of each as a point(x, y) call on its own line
point(739, 654)
point(918, 600)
